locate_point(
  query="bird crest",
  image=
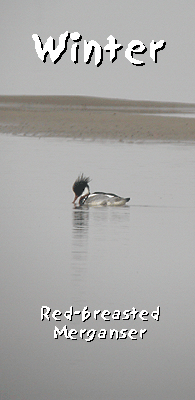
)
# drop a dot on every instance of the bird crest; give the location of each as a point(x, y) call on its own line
point(80, 184)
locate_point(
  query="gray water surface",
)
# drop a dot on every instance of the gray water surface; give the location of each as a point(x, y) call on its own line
point(141, 255)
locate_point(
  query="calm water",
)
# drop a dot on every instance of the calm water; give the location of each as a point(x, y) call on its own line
point(139, 256)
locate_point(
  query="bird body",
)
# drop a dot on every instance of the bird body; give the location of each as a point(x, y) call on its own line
point(82, 193)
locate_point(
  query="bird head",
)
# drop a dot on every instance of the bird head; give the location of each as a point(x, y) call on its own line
point(81, 187)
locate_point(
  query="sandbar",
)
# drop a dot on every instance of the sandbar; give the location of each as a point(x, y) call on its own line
point(96, 118)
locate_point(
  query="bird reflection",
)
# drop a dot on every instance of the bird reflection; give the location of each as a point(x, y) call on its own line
point(94, 229)
point(80, 225)
point(80, 220)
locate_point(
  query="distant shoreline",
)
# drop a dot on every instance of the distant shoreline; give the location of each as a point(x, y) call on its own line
point(90, 117)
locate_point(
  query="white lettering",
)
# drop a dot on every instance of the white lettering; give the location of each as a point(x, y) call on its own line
point(112, 47)
point(76, 37)
point(49, 47)
point(155, 47)
point(85, 314)
point(89, 48)
point(45, 311)
point(135, 46)
point(156, 314)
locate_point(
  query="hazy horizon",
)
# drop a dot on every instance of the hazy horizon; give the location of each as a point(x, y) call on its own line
point(171, 79)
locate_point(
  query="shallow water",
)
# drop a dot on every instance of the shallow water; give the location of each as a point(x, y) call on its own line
point(141, 255)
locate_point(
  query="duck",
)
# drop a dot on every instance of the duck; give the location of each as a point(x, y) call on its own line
point(82, 193)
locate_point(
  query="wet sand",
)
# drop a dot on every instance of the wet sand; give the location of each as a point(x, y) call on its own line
point(96, 118)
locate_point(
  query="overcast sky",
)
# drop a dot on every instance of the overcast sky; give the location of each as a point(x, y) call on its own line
point(172, 78)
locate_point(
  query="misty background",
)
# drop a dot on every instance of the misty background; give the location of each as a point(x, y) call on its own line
point(171, 79)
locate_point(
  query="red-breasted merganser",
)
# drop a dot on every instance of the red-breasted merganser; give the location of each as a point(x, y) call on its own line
point(82, 193)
